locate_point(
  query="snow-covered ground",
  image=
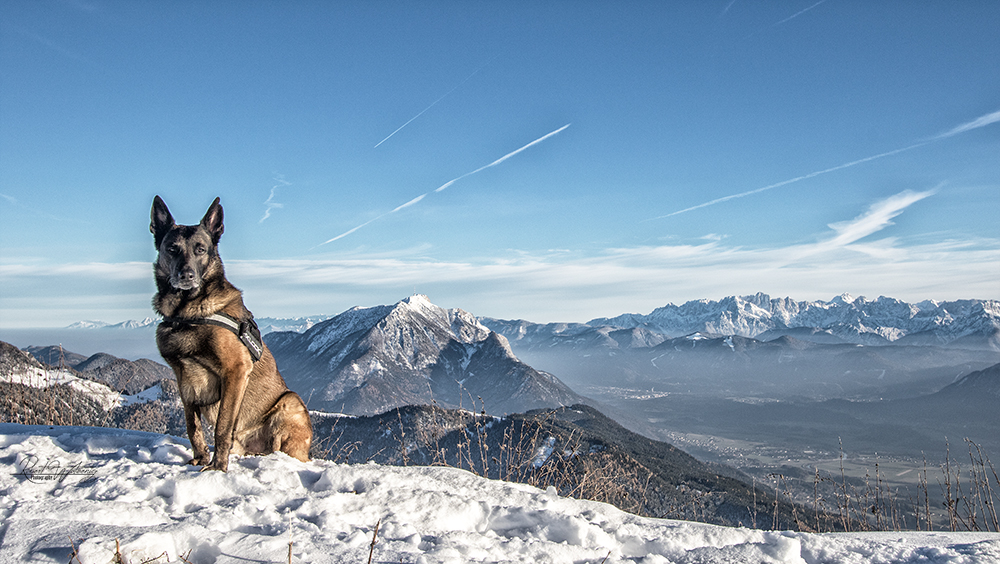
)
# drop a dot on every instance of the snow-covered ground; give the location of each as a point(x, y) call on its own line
point(96, 486)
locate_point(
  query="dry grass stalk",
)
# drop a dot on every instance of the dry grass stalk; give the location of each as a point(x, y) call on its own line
point(371, 549)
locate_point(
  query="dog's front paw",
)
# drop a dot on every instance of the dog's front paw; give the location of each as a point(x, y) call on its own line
point(220, 465)
point(199, 460)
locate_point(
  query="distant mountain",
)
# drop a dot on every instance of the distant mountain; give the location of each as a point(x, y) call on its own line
point(128, 376)
point(965, 323)
point(979, 391)
point(368, 360)
point(100, 390)
point(530, 336)
point(266, 324)
point(55, 356)
point(34, 394)
point(296, 324)
point(148, 322)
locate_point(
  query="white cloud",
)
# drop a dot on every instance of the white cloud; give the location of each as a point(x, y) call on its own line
point(559, 285)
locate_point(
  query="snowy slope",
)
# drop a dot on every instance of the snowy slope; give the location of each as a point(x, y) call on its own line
point(134, 488)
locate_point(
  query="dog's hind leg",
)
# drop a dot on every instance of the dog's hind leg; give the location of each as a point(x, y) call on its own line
point(291, 431)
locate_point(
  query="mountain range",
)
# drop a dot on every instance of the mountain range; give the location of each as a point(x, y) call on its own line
point(368, 360)
point(844, 319)
point(266, 324)
point(965, 323)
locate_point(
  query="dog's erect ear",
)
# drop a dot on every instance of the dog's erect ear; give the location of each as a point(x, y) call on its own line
point(160, 221)
point(212, 221)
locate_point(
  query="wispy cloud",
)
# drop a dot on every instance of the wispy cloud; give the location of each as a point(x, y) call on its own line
point(983, 121)
point(878, 217)
point(447, 184)
point(114, 271)
point(844, 235)
point(434, 103)
point(974, 124)
point(270, 204)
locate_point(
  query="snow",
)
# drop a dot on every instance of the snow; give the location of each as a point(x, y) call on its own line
point(544, 452)
point(42, 378)
point(151, 393)
point(100, 486)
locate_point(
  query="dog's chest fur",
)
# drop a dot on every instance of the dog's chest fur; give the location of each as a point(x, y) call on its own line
point(184, 349)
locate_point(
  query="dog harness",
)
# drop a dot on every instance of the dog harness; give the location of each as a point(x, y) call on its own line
point(247, 331)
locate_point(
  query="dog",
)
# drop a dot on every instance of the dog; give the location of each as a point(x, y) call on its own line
point(208, 337)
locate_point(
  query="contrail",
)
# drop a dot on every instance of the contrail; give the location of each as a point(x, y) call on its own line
point(784, 182)
point(434, 103)
point(503, 158)
point(789, 18)
point(974, 124)
point(797, 14)
point(346, 233)
point(726, 9)
point(447, 184)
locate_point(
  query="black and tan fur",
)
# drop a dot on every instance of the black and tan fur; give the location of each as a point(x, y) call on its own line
point(252, 409)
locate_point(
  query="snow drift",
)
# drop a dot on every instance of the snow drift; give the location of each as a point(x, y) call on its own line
point(66, 487)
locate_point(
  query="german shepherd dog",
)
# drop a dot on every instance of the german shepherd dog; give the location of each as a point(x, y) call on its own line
point(219, 375)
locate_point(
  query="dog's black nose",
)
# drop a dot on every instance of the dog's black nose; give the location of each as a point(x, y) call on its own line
point(187, 274)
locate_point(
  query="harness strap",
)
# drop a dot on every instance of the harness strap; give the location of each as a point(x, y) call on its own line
point(247, 331)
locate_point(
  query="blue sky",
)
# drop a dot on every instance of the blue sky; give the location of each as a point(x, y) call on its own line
point(840, 146)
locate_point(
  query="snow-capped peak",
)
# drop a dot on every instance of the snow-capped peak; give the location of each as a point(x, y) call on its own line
point(844, 298)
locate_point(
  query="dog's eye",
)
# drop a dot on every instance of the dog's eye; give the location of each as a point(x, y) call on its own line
point(173, 249)
point(200, 250)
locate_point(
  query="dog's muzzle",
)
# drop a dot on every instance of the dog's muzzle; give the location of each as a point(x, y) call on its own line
point(186, 279)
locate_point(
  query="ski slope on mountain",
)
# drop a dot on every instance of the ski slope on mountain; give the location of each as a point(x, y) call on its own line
point(84, 489)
